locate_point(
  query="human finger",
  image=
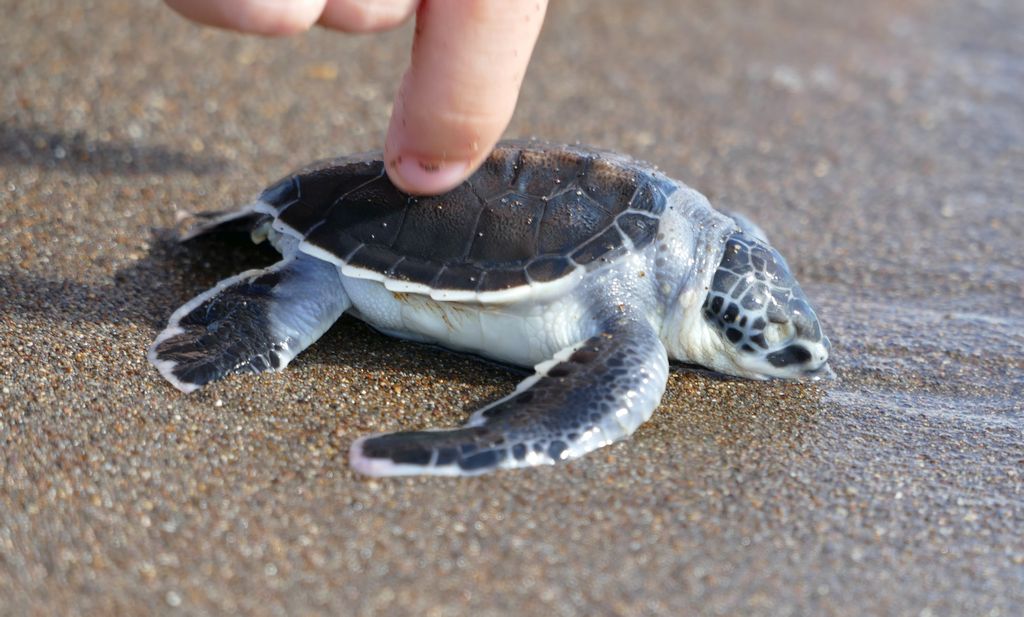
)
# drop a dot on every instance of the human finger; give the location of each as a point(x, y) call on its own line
point(458, 95)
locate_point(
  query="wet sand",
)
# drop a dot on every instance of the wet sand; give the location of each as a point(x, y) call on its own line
point(882, 148)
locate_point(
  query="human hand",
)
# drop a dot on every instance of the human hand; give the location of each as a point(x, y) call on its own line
point(458, 94)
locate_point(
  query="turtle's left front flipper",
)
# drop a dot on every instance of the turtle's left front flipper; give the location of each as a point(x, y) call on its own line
point(252, 322)
point(588, 396)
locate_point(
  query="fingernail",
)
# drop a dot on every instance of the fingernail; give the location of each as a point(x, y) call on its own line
point(430, 178)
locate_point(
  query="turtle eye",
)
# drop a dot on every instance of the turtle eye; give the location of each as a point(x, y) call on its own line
point(775, 333)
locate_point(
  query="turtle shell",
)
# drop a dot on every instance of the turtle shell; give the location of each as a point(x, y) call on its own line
point(533, 213)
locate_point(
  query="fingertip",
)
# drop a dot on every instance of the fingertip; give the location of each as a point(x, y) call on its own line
point(418, 176)
point(459, 94)
point(430, 150)
point(421, 162)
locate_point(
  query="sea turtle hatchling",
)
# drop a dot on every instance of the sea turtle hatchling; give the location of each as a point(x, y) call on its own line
point(591, 267)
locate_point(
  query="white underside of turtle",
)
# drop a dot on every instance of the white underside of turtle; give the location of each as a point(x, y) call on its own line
point(590, 267)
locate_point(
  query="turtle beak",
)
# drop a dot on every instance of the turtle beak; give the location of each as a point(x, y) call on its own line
point(823, 371)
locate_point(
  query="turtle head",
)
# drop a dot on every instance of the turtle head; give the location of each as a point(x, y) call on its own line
point(757, 309)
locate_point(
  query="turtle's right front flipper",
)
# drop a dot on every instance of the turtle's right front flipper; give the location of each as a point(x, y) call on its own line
point(252, 322)
point(588, 396)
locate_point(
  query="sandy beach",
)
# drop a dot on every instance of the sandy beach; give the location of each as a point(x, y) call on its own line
point(880, 145)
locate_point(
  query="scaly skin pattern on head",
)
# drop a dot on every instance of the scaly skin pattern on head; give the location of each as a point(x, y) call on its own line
point(757, 305)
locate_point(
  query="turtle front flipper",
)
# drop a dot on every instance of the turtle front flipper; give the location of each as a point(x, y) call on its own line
point(588, 396)
point(252, 322)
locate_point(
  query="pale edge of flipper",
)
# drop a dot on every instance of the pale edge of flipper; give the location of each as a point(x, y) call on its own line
point(589, 395)
point(302, 305)
point(166, 367)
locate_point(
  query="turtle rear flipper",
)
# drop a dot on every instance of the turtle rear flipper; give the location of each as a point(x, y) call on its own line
point(252, 322)
point(588, 396)
point(198, 224)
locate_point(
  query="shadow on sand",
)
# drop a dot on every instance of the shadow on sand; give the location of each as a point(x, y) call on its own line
point(146, 292)
point(76, 153)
